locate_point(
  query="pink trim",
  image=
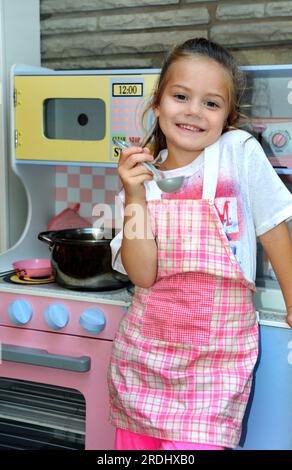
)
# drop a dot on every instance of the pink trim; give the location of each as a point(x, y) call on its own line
point(127, 440)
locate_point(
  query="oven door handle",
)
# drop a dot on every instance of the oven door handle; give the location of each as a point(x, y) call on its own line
point(41, 357)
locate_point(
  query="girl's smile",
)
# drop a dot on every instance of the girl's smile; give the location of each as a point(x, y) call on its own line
point(193, 108)
point(189, 127)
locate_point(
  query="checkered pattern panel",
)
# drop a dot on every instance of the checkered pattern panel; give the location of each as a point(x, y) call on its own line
point(85, 185)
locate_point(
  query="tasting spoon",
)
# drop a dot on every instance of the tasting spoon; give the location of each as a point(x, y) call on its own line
point(167, 185)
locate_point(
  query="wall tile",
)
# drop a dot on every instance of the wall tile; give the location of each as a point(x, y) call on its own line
point(63, 6)
point(240, 34)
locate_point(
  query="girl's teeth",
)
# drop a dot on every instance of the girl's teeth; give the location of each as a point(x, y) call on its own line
point(189, 128)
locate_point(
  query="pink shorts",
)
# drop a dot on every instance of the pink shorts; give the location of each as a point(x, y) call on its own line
point(127, 440)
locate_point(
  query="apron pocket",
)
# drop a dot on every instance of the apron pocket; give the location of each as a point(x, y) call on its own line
point(179, 309)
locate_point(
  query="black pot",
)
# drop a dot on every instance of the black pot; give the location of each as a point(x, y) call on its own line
point(81, 259)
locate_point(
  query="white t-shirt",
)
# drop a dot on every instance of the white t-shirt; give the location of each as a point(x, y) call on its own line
point(250, 197)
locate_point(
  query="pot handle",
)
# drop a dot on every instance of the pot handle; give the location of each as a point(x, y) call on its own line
point(10, 272)
point(46, 237)
point(120, 276)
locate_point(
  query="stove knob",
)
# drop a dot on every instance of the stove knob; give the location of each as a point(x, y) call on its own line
point(92, 320)
point(20, 312)
point(57, 316)
point(279, 140)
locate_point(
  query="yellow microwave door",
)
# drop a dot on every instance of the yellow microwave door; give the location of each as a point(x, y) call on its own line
point(33, 93)
point(66, 118)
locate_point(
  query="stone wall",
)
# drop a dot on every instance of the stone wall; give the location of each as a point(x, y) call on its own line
point(93, 34)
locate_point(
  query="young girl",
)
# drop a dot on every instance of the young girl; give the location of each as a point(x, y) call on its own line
point(184, 355)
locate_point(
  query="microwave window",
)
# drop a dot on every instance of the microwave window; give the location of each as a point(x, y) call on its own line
point(74, 118)
point(267, 95)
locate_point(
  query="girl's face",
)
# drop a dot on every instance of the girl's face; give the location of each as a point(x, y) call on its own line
point(194, 106)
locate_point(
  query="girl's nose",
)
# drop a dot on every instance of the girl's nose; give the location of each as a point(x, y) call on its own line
point(194, 108)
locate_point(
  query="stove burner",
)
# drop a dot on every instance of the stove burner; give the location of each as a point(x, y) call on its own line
point(14, 279)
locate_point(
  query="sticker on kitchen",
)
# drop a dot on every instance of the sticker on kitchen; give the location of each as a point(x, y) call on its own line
point(116, 150)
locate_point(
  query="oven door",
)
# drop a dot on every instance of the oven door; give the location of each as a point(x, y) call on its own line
point(69, 362)
point(36, 416)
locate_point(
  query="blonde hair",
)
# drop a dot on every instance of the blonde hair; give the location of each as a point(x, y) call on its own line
point(189, 49)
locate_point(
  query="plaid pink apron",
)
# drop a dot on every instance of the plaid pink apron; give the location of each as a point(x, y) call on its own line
point(184, 354)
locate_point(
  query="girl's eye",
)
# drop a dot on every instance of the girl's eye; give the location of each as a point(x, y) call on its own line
point(211, 104)
point(180, 97)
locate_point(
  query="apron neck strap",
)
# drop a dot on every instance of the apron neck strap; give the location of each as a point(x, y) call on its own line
point(211, 167)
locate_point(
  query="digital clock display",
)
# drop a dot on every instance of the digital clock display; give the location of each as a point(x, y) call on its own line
point(127, 89)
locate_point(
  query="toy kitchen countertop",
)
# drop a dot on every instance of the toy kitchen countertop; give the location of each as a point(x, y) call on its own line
point(269, 301)
point(269, 304)
point(120, 297)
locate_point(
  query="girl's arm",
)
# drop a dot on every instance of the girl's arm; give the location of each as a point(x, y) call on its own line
point(138, 250)
point(278, 245)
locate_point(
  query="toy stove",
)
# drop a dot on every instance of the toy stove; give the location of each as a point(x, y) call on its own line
point(57, 344)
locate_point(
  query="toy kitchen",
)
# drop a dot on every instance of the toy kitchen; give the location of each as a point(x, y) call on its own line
point(56, 336)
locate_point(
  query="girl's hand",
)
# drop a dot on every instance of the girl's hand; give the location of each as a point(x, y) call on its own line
point(132, 173)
